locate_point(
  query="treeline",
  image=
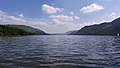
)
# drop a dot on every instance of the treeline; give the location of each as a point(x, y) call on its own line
point(6, 30)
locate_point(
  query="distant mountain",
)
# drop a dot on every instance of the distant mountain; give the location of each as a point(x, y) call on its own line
point(14, 30)
point(71, 32)
point(107, 28)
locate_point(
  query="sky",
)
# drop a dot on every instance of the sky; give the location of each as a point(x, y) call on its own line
point(58, 16)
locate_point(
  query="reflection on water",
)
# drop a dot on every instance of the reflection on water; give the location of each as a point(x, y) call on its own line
point(60, 51)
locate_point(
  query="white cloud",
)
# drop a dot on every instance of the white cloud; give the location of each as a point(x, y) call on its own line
point(21, 15)
point(65, 23)
point(91, 8)
point(113, 15)
point(108, 0)
point(56, 24)
point(50, 9)
point(62, 17)
point(76, 17)
point(8, 19)
point(2, 13)
point(72, 13)
point(107, 18)
point(14, 19)
point(110, 17)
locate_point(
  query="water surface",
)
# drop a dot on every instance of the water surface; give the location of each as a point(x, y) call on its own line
point(60, 51)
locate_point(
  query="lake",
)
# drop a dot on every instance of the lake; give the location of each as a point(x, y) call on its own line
point(60, 51)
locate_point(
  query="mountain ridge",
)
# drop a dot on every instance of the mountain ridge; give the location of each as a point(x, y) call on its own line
point(106, 28)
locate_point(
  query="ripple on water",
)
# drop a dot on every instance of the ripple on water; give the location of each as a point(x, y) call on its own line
point(60, 52)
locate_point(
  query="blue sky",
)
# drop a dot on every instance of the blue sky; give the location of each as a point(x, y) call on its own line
point(58, 16)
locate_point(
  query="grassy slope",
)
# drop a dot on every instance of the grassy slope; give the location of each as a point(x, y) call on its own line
point(10, 30)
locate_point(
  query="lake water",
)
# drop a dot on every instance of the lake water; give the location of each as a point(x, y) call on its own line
point(60, 51)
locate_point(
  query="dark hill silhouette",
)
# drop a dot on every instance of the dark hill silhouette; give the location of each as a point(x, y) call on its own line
point(106, 28)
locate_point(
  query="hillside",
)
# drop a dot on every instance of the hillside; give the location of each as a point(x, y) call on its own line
point(71, 32)
point(107, 28)
point(14, 30)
